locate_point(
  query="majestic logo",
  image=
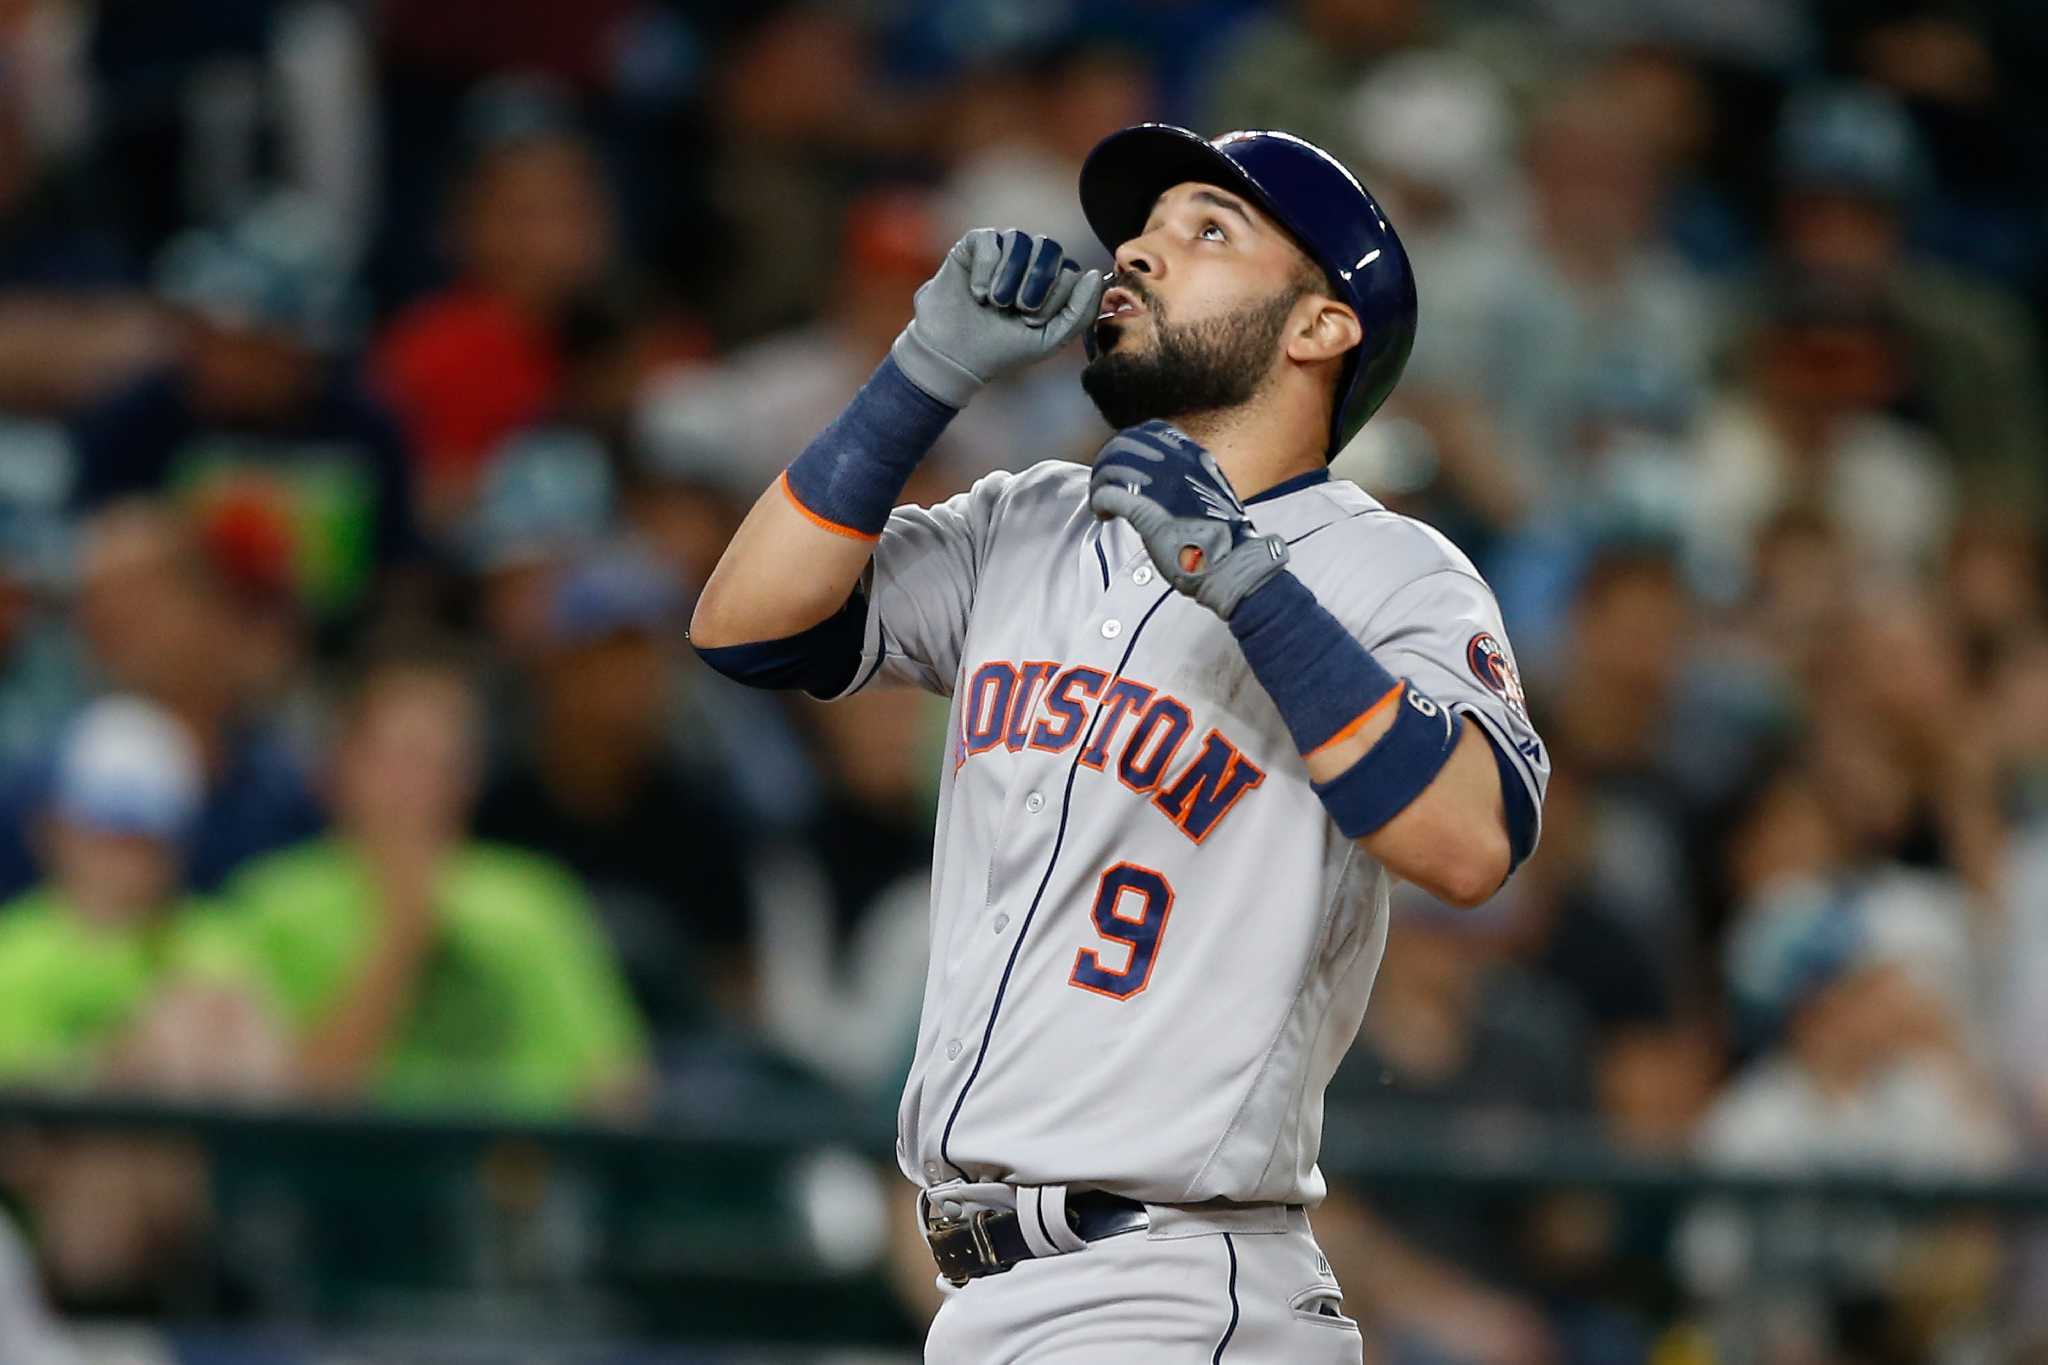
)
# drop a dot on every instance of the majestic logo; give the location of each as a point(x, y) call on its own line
point(1488, 659)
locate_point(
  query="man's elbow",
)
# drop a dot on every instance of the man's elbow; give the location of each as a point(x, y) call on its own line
point(718, 622)
point(1471, 869)
point(707, 631)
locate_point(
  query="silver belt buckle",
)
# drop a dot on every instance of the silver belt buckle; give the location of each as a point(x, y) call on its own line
point(978, 1246)
point(977, 1228)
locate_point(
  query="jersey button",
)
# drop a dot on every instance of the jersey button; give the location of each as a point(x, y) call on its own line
point(931, 1168)
point(1002, 923)
point(953, 1051)
point(1035, 802)
point(1143, 575)
point(1112, 629)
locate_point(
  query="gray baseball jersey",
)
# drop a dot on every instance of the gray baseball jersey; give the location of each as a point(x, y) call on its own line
point(1150, 946)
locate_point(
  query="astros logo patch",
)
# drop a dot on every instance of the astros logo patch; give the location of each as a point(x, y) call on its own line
point(1488, 659)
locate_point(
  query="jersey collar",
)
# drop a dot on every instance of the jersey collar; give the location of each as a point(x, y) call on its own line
point(1293, 485)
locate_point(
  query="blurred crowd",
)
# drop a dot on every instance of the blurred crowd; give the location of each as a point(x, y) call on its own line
point(380, 380)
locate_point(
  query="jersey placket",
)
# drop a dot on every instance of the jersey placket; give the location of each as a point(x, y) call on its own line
point(1039, 801)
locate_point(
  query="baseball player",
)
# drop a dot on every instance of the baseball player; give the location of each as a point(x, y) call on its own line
point(1207, 705)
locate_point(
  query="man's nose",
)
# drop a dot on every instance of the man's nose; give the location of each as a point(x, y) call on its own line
point(1135, 258)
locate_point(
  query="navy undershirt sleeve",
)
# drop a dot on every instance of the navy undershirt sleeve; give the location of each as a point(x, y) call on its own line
point(821, 661)
point(1515, 800)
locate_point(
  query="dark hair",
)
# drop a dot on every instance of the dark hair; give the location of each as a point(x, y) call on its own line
point(1624, 558)
point(396, 657)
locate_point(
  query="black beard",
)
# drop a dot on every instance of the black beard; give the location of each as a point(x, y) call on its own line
point(1205, 366)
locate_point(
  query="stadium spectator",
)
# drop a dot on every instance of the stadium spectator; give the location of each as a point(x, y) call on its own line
point(598, 788)
point(72, 318)
point(160, 618)
point(1434, 133)
point(1866, 1064)
point(1914, 774)
point(739, 421)
point(545, 502)
point(802, 124)
point(1457, 1041)
point(1021, 131)
point(1850, 166)
point(530, 236)
point(1994, 577)
point(260, 407)
point(86, 954)
point(113, 981)
point(42, 669)
point(843, 912)
point(190, 119)
point(1517, 329)
point(1292, 66)
point(2022, 1006)
point(51, 241)
point(1612, 710)
point(1813, 424)
point(1854, 991)
point(422, 970)
point(2016, 688)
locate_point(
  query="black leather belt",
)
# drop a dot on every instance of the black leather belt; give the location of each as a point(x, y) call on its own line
point(989, 1241)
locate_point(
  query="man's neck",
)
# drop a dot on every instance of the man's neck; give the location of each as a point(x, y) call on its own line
point(1254, 451)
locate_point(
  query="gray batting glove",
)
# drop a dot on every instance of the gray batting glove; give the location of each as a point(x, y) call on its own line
point(1000, 301)
point(1174, 495)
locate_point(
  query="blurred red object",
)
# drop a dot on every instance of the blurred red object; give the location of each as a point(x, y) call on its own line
point(247, 535)
point(891, 233)
point(472, 38)
point(463, 370)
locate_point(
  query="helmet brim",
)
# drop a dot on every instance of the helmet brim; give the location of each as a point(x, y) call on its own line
point(1127, 172)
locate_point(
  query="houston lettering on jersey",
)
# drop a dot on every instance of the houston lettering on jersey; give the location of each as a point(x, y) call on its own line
point(1145, 733)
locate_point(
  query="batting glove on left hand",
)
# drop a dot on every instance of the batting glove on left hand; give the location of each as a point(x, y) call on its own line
point(1177, 499)
point(1001, 300)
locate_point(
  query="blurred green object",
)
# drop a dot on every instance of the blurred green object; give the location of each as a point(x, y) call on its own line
point(70, 987)
point(520, 1009)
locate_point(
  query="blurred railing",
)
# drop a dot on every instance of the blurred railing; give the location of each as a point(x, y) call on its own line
point(710, 1226)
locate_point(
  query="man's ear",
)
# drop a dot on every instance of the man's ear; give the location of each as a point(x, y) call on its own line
point(1324, 329)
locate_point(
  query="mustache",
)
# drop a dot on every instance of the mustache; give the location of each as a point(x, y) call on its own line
point(1117, 279)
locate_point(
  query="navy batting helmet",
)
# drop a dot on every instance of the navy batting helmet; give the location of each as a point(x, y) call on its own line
point(1331, 216)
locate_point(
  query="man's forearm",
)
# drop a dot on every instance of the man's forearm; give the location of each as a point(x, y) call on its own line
point(802, 548)
point(999, 301)
point(1397, 772)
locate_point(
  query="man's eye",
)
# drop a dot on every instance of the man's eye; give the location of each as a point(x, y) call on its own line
point(1212, 232)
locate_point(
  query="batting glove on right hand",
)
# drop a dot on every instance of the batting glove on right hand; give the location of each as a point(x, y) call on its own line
point(1000, 301)
point(1170, 489)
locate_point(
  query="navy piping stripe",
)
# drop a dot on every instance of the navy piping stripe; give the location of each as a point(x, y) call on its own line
point(1231, 1330)
point(1103, 560)
point(1058, 840)
point(1038, 1206)
point(1328, 524)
